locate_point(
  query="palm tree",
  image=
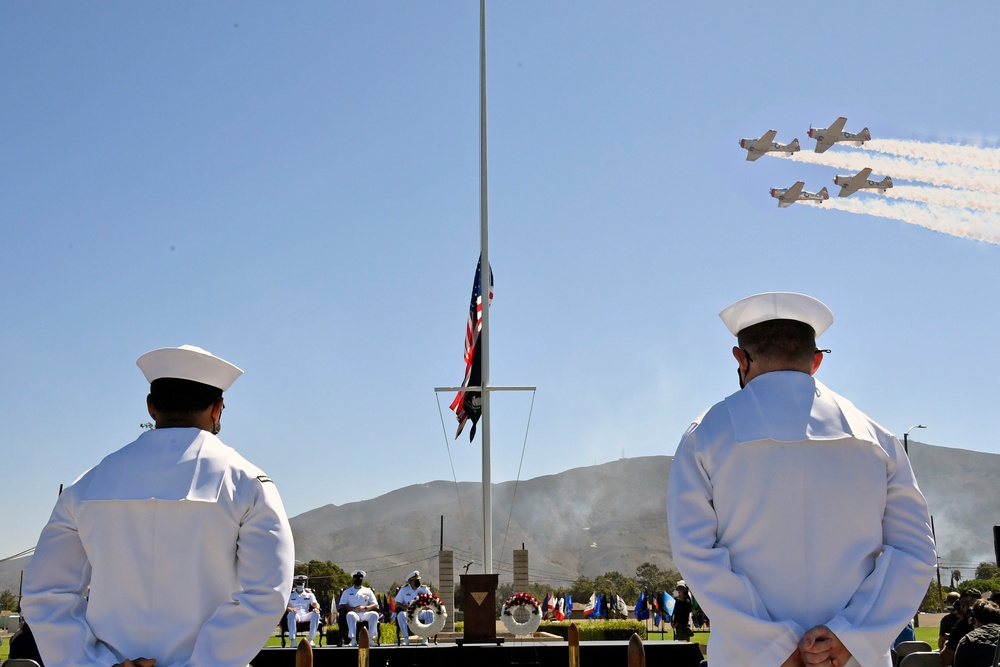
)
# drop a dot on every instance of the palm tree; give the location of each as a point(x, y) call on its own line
point(956, 576)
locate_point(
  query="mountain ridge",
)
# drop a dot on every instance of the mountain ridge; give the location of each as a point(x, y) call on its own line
point(586, 521)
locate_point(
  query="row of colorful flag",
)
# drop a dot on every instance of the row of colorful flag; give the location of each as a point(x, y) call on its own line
point(386, 605)
point(606, 606)
point(556, 609)
point(656, 606)
point(659, 607)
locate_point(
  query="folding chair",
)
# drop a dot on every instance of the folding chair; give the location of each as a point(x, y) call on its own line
point(921, 659)
point(303, 628)
point(904, 649)
point(342, 631)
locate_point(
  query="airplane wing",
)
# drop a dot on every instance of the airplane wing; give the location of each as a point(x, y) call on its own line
point(791, 195)
point(858, 180)
point(766, 139)
point(760, 146)
point(830, 135)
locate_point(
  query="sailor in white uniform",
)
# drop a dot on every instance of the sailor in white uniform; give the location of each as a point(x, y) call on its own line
point(302, 607)
point(403, 599)
point(361, 605)
point(794, 518)
point(174, 548)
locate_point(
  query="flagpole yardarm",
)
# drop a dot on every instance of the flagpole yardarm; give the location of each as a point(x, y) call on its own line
point(483, 389)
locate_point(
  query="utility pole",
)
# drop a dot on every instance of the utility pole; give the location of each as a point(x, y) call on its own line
point(934, 536)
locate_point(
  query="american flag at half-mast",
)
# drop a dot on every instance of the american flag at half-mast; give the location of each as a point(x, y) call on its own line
point(468, 405)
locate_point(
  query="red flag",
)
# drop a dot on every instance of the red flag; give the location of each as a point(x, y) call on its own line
point(469, 405)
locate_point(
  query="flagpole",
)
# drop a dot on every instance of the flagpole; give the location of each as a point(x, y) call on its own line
point(478, 330)
point(486, 287)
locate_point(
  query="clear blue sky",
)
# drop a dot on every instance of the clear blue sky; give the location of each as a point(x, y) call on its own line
point(295, 187)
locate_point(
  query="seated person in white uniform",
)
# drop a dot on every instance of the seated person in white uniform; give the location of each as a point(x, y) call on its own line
point(360, 603)
point(302, 606)
point(403, 599)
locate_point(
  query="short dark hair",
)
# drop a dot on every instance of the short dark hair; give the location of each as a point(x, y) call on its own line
point(986, 612)
point(781, 340)
point(174, 396)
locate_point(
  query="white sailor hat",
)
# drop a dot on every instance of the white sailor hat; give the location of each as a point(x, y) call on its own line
point(413, 575)
point(359, 573)
point(777, 306)
point(188, 362)
point(300, 577)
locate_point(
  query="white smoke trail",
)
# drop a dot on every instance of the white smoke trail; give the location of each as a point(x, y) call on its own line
point(903, 168)
point(960, 194)
point(974, 199)
point(974, 225)
point(968, 156)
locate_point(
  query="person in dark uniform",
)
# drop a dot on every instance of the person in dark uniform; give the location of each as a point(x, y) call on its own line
point(680, 620)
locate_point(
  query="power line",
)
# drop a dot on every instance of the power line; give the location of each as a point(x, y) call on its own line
point(24, 553)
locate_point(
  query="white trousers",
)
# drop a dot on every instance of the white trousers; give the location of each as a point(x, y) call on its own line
point(295, 617)
point(352, 623)
point(425, 615)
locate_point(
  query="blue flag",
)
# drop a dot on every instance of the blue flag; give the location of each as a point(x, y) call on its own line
point(668, 605)
point(569, 605)
point(642, 607)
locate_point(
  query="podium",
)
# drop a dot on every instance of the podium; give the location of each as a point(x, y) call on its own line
point(479, 595)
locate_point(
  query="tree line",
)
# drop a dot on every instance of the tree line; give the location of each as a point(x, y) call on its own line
point(326, 579)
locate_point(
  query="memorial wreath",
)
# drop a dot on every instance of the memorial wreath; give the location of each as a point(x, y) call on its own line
point(420, 603)
point(514, 626)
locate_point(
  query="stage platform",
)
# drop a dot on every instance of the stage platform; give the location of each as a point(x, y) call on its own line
point(542, 654)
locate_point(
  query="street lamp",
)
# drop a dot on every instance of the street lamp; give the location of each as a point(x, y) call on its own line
point(906, 435)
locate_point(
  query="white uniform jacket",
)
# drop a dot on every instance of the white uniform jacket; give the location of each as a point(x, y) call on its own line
point(174, 548)
point(789, 508)
point(302, 602)
point(358, 597)
point(406, 594)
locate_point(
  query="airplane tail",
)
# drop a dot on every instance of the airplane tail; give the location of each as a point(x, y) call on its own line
point(865, 135)
point(794, 145)
point(823, 193)
point(885, 184)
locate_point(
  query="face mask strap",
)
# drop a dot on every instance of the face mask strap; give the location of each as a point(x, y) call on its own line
point(739, 373)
